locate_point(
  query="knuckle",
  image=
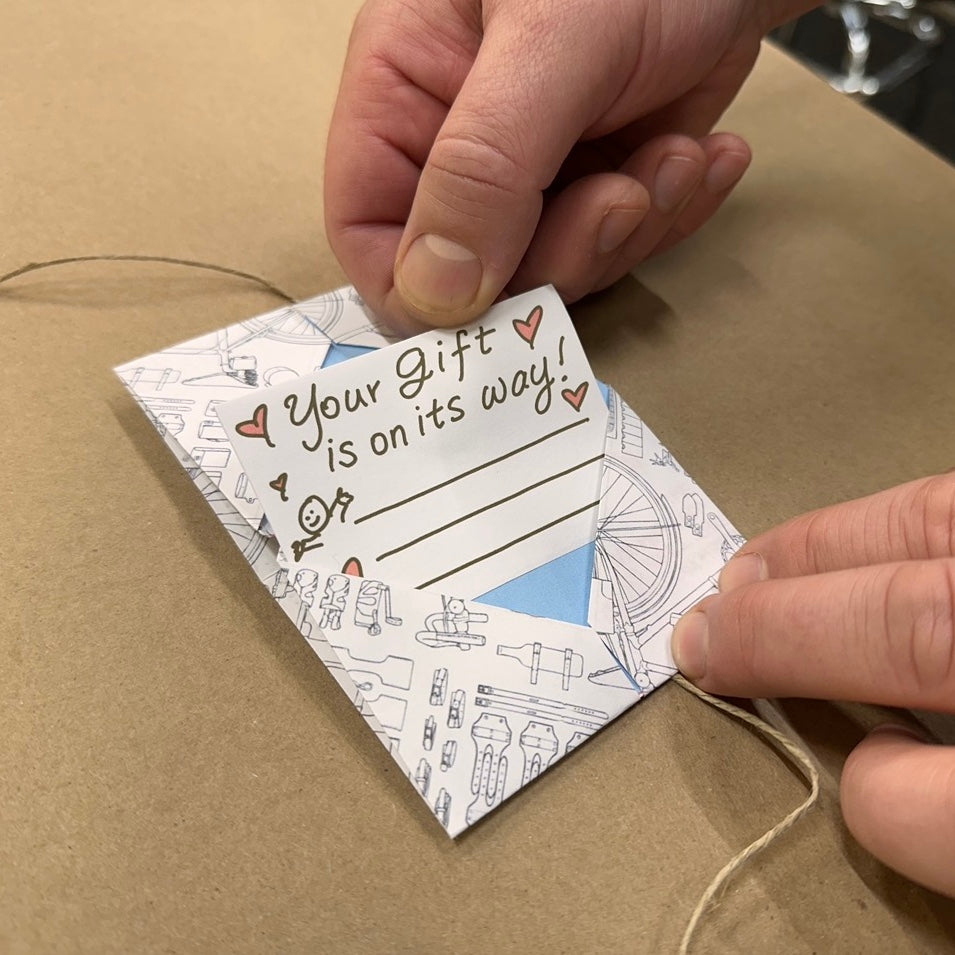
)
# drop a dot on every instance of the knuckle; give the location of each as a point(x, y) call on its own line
point(377, 23)
point(809, 540)
point(807, 546)
point(931, 517)
point(919, 623)
point(741, 612)
point(468, 170)
point(383, 17)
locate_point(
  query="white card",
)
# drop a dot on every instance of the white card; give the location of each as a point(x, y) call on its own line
point(454, 461)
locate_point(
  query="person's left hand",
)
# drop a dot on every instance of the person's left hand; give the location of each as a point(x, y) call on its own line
point(481, 147)
point(852, 602)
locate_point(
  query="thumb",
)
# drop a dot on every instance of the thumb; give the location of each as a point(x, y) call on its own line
point(897, 795)
point(479, 196)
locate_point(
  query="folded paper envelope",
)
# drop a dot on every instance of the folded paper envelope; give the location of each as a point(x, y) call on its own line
point(489, 590)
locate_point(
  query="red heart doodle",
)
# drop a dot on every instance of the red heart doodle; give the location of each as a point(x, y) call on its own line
point(279, 484)
point(353, 567)
point(256, 426)
point(527, 328)
point(575, 398)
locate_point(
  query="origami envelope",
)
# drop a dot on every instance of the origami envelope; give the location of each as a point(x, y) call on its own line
point(474, 696)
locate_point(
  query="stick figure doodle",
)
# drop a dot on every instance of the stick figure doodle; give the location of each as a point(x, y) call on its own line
point(314, 516)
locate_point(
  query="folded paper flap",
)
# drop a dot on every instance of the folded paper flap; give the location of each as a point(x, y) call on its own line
point(476, 700)
point(458, 459)
point(263, 557)
point(660, 545)
point(181, 386)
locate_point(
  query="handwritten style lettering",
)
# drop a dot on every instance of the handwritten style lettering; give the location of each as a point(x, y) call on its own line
point(319, 410)
point(537, 376)
point(414, 367)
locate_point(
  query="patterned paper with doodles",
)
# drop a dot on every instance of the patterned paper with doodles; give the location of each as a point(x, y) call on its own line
point(181, 387)
point(456, 460)
point(472, 701)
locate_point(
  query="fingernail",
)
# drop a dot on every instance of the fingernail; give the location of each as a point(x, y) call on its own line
point(726, 170)
point(438, 275)
point(690, 644)
point(617, 226)
point(741, 571)
point(676, 178)
point(901, 730)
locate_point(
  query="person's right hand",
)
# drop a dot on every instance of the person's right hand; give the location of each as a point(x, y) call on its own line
point(479, 146)
point(852, 602)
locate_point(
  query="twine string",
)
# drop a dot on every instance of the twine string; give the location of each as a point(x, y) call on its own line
point(167, 259)
point(803, 761)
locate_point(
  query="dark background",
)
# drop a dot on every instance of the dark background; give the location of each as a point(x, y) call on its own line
point(924, 104)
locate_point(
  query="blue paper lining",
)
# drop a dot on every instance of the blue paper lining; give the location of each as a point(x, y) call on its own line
point(559, 589)
point(339, 353)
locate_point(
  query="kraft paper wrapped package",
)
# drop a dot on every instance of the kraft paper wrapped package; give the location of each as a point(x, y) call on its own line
point(181, 772)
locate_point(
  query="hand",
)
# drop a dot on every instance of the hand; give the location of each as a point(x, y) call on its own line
point(853, 602)
point(483, 146)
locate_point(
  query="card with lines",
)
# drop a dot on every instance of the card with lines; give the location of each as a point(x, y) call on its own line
point(454, 461)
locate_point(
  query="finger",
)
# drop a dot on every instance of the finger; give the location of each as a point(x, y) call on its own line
point(915, 521)
point(671, 168)
point(579, 244)
point(727, 159)
point(580, 230)
point(880, 634)
point(479, 197)
point(898, 800)
point(399, 77)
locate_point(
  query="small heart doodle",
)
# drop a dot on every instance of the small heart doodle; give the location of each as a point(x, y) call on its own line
point(576, 397)
point(256, 426)
point(279, 485)
point(353, 567)
point(527, 327)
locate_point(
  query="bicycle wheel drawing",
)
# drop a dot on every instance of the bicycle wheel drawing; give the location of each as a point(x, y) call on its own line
point(249, 541)
point(638, 548)
point(299, 324)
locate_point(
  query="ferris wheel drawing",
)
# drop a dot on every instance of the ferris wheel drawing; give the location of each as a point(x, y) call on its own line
point(638, 556)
